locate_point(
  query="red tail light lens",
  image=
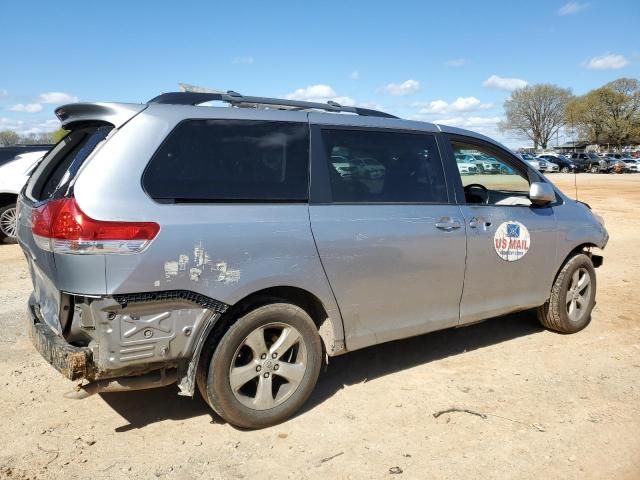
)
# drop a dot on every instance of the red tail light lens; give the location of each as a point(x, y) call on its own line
point(62, 227)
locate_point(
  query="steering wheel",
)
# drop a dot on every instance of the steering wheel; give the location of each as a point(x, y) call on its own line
point(468, 190)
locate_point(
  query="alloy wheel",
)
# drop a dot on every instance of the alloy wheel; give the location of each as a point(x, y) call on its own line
point(578, 294)
point(9, 222)
point(268, 366)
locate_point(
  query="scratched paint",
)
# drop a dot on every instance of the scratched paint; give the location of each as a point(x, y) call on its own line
point(199, 268)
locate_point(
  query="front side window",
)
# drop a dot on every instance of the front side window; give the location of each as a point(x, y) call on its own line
point(488, 178)
point(367, 166)
point(231, 160)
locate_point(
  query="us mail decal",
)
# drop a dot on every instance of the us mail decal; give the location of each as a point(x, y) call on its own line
point(511, 241)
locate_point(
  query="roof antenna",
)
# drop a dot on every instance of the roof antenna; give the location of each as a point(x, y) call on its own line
point(575, 182)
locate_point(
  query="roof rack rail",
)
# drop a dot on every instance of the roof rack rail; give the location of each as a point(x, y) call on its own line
point(237, 100)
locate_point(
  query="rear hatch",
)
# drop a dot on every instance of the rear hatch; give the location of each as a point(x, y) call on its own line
point(89, 126)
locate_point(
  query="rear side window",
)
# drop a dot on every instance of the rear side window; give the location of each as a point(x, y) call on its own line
point(60, 166)
point(231, 160)
point(368, 166)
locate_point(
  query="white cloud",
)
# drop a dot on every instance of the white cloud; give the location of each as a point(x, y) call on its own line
point(502, 83)
point(29, 127)
point(243, 60)
point(26, 107)
point(457, 62)
point(460, 104)
point(607, 62)
point(571, 8)
point(405, 88)
point(319, 93)
point(57, 98)
point(355, 75)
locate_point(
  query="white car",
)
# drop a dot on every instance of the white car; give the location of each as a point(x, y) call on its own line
point(631, 164)
point(466, 168)
point(548, 167)
point(14, 176)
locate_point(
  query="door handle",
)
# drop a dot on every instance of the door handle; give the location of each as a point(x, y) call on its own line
point(476, 222)
point(448, 224)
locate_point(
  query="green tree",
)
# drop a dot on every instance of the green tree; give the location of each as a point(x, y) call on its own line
point(59, 135)
point(587, 113)
point(8, 137)
point(536, 112)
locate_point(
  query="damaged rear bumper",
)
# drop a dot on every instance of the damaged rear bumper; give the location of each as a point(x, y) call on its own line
point(74, 363)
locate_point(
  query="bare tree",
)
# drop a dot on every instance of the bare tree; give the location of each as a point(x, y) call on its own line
point(8, 137)
point(536, 112)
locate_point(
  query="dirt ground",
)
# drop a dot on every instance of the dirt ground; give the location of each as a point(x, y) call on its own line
point(555, 406)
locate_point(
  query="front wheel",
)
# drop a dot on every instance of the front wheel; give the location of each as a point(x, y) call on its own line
point(594, 169)
point(265, 366)
point(572, 298)
point(565, 170)
point(8, 223)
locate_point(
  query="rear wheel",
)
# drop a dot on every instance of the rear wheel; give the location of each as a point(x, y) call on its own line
point(265, 366)
point(594, 169)
point(572, 298)
point(8, 223)
point(565, 170)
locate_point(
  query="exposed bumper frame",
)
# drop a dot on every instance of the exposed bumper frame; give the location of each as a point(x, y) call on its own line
point(75, 363)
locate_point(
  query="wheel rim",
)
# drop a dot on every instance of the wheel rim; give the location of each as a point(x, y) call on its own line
point(9, 222)
point(268, 366)
point(578, 295)
point(565, 170)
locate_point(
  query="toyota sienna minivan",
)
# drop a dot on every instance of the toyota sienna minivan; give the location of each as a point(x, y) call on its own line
point(221, 248)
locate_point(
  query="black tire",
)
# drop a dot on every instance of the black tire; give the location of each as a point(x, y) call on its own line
point(216, 384)
point(594, 169)
point(4, 236)
point(554, 313)
point(565, 170)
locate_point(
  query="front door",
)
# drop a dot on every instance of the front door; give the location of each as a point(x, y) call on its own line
point(391, 242)
point(511, 244)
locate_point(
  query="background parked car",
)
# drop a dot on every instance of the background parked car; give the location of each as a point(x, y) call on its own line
point(13, 176)
point(631, 164)
point(465, 167)
point(564, 164)
point(531, 160)
point(590, 162)
point(9, 153)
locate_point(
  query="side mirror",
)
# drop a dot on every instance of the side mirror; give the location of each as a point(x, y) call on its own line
point(541, 193)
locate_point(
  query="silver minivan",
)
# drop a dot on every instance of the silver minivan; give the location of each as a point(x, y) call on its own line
point(225, 248)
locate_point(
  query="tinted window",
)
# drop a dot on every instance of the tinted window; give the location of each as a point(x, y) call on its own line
point(231, 160)
point(372, 167)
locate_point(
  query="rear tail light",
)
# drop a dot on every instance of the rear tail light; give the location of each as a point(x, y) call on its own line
point(60, 226)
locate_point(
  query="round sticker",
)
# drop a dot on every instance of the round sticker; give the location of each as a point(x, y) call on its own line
point(511, 241)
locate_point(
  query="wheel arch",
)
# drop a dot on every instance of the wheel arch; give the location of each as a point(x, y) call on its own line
point(8, 198)
point(330, 329)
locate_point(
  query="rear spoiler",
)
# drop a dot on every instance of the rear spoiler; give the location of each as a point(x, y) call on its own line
point(117, 114)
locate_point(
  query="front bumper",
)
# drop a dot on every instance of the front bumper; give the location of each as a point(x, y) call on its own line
point(74, 363)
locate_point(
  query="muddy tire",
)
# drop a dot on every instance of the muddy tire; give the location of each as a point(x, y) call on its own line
point(264, 367)
point(572, 299)
point(8, 223)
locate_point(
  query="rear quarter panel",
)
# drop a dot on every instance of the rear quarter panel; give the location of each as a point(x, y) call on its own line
point(223, 251)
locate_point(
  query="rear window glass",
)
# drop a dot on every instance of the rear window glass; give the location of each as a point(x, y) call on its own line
point(231, 160)
point(63, 161)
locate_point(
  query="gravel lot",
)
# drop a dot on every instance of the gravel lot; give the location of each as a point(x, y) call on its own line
point(556, 406)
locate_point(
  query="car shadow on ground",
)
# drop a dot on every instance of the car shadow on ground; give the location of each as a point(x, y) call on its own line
point(145, 407)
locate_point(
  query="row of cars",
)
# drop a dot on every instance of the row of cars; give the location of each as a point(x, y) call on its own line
point(474, 163)
point(583, 162)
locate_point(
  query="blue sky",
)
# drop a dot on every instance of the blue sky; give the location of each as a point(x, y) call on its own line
point(453, 62)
